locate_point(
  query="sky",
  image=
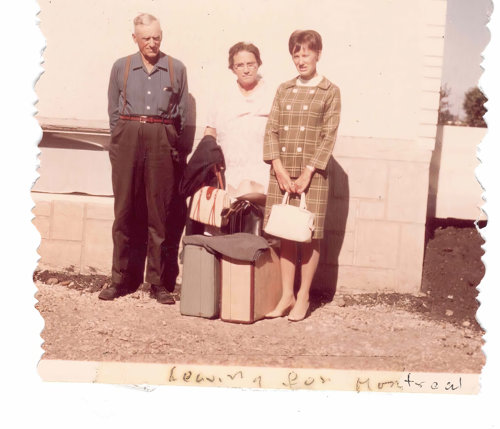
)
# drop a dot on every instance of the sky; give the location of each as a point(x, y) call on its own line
point(466, 36)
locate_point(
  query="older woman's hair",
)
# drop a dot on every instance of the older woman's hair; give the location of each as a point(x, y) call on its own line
point(144, 19)
point(305, 38)
point(243, 46)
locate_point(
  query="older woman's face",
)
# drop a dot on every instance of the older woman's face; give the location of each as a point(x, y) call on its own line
point(305, 61)
point(245, 67)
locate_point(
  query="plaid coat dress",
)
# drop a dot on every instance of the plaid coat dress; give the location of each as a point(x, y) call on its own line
point(301, 130)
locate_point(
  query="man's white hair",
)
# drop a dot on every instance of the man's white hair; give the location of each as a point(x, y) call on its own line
point(144, 19)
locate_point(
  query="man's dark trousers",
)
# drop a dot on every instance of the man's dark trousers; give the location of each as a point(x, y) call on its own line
point(176, 220)
point(143, 186)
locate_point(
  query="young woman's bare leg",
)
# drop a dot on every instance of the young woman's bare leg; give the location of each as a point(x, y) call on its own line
point(288, 258)
point(310, 260)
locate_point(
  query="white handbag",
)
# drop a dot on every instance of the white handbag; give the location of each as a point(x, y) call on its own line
point(207, 204)
point(291, 222)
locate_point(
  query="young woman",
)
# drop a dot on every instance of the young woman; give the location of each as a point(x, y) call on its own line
point(299, 139)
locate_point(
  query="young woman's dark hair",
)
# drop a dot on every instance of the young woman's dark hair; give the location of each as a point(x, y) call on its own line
point(308, 38)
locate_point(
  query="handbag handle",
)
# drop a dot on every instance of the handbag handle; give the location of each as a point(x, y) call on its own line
point(211, 216)
point(197, 208)
point(286, 199)
point(217, 174)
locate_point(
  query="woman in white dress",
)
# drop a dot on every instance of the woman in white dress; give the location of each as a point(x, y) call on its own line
point(237, 119)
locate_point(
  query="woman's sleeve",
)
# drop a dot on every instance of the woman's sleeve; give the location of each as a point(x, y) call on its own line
point(271, 142)
point(328, 135)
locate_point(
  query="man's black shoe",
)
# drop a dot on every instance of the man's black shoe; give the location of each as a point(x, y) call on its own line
point(112, 292)
point(162, 295)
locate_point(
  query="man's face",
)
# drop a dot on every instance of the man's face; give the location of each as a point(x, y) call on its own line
point(148, 38)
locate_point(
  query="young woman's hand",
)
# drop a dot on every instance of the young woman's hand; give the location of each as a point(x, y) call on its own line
point(303, 181)
point(284, 180)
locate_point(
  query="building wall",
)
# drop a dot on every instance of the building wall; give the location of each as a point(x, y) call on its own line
point(75, 232)
point(454, 191)
point(386, 57)
point(375, 221)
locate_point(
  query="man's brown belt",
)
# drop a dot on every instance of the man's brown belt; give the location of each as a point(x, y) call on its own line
point(147, 119)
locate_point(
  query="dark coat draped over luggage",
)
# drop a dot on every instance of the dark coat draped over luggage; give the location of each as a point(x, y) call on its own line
point(200, 168)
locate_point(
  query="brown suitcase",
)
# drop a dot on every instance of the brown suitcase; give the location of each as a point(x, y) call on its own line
point(250, 290)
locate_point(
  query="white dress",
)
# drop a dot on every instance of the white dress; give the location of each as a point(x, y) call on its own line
point(240, 123)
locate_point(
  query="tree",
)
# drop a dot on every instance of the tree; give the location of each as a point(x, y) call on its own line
point(474, 107)
point(445, 116)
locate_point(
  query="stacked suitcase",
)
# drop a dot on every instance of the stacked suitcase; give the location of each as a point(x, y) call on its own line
point(217, 285)
point(200, 283)
point(249, 290)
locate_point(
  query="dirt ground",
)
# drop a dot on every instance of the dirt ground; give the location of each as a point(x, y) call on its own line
point(435, 331)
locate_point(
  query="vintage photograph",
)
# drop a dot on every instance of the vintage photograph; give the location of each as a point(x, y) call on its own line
point(262, 195)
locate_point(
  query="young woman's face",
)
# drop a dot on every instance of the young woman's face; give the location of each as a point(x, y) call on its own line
point(305, 61)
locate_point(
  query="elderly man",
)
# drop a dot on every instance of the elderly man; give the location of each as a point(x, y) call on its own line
point(147, 99)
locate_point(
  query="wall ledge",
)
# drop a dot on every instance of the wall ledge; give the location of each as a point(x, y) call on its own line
point(381, 149)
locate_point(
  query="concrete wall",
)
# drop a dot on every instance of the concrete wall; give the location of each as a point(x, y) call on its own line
point(375, 218)
point(386, 57)
point(454, 191)
point(75, 232)
point(374, 227)
point(374, 222)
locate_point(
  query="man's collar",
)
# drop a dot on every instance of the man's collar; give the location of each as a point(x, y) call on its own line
point(162, 62)
point(136, 61)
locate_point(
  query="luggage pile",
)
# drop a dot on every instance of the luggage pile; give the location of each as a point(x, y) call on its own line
point(236, 277)
point(232, 272)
